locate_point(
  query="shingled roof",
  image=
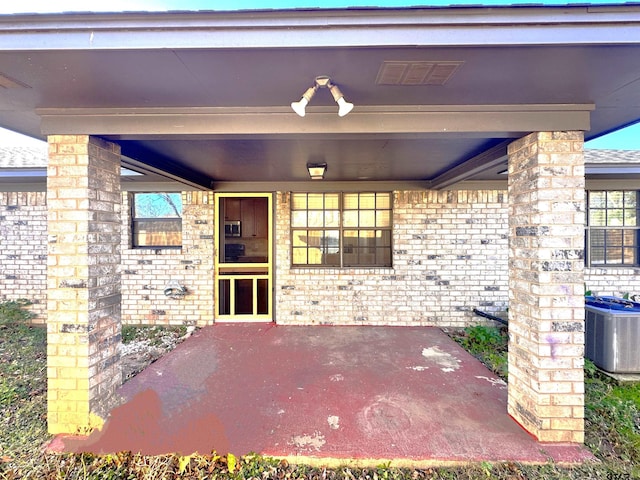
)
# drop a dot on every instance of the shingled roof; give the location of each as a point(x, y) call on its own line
point(594, 156)
point(23, 157)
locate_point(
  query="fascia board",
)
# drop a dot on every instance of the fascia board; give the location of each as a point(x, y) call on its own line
point(507, 120)
point(508, 26)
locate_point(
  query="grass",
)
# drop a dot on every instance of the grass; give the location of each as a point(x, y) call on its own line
point(613, 418)
point(612, 421)
point(23, 371)
point(488, 344)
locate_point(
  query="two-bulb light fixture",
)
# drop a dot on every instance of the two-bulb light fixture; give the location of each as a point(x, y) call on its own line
point(323, 81)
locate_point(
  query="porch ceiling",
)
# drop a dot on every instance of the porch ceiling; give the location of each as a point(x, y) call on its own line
point(205, 96)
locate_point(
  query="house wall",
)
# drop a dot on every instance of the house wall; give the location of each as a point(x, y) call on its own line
point(23, 249)
point(450, 255)
point(616, 281)
point(146, 272)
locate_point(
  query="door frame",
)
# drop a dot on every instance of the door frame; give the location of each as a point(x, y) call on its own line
point(236, 270)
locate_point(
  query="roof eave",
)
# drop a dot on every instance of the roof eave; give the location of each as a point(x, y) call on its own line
point(420, 26)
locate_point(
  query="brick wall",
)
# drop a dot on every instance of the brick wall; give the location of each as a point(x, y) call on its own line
point(23, 249)
point(146, 272)
point(613, 281)
point(449, 257)
point(454, 224)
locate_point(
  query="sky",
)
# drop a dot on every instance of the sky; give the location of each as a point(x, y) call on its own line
point(49, 6)
point(626, 139)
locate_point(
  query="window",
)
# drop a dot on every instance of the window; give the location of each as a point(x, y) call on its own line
point(613, 228)
point(341, 229)
point(156, 219)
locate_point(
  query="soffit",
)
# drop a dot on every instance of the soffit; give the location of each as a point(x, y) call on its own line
point(207, 94)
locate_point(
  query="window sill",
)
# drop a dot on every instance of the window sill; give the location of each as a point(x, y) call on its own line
point(153, 250)
point(632, 268)
point(300, 269)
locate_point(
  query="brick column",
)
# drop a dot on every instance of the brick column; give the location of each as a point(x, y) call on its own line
point(546, 286)
point(83, 281)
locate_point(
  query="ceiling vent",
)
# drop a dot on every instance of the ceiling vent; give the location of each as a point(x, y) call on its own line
point(416, 73)
point(8, 82)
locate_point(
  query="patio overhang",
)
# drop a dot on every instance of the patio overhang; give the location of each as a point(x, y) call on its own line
point(205, 95)
point(410, 124)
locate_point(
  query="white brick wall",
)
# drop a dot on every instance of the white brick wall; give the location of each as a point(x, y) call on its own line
point(146, 272)
point(23, 249)
point(450, 252)
point(612, 281)
point(449, 256)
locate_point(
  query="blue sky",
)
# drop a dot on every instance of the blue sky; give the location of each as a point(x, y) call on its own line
point(159, 5)
point(49, 6)
point(626, 139)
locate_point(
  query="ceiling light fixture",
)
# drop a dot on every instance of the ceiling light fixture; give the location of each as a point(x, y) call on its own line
point(317, 170)
point(322, 81)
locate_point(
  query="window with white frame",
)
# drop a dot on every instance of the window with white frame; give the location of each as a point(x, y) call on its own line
point(156, 220)
point(613, 228)
point(341, 229)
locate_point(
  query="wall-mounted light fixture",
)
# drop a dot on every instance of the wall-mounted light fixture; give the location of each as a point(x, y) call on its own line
point(322, 81)
point(317, 170)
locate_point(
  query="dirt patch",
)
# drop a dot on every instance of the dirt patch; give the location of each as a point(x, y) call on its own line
point(144, 345)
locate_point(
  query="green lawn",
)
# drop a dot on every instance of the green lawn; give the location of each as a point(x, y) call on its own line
point(612, 419)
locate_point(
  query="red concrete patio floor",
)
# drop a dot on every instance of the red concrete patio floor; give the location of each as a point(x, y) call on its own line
point(325, 396)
